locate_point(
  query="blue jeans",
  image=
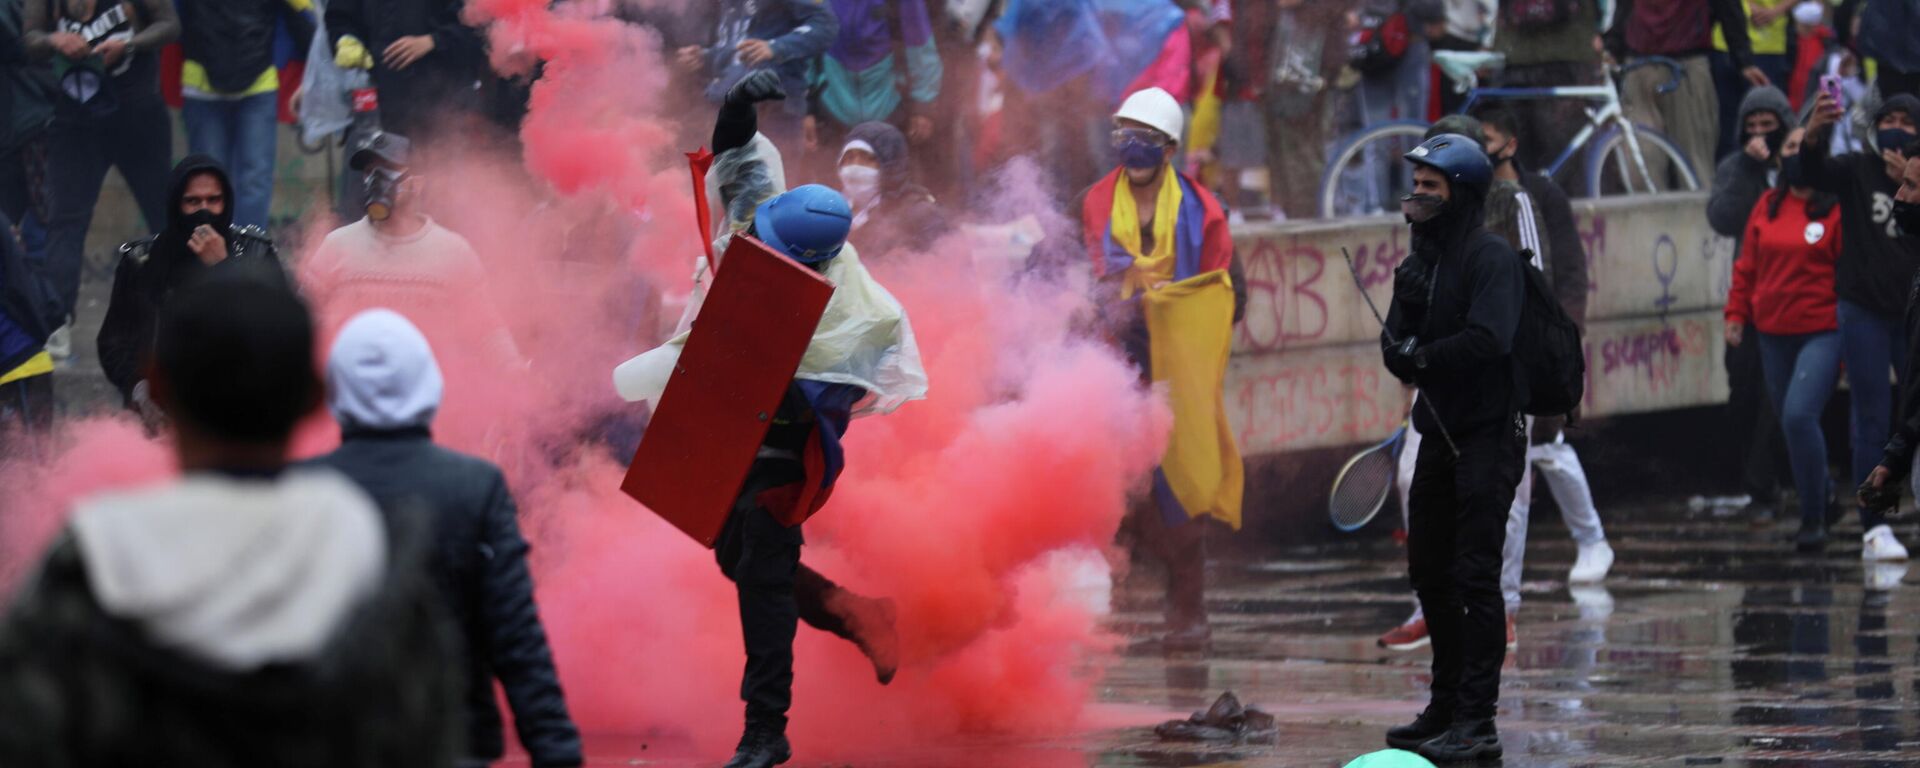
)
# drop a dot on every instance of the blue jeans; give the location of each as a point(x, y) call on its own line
point(1874, 344)
point(1802, 370)
point(240, 134)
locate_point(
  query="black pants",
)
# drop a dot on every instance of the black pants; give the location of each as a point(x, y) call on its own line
point(762, 558)
point(1752, 422)
point(26, 416)
point(137, 139)
point(1456, 526)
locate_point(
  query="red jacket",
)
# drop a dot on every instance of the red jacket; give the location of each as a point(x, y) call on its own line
point(1783, 278)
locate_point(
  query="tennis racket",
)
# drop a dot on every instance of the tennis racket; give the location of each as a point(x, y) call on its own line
point(1362, 485)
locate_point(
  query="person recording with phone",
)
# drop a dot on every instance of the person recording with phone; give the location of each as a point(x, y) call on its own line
point(199, 237)
point(1877, 264)
point(1881, 491)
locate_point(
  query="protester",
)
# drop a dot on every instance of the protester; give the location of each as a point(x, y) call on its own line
point(399, 257)
point(1769, 33)
point(199, 237)
point(1681, 30)
point(759, 546)
point(383, 388)
point(108, 114)
point(246, 613)
point(890, 211)
point(1876, 266)
point(1813, 44)
point(1742, 178)
point(1889, 32)
point(1548, 53)
point(232, 90)
point(784, 36)
point(1291, 63)
point(883, 46)
point(1395, 81)
point(1463, 485)
point(1528, 209)
point(1898, 460)
point(427, 64)
point(27, 94)
point(27, 317)
point(1783, 287)
point(1162, 255)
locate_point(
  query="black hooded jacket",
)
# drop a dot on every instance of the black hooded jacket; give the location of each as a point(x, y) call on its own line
point(905, 214)
point(1466, 328)
point(480, 565)
point(152, 267)
point(1876, 263)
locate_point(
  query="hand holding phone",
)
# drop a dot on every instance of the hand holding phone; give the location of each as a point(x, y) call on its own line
point(1831, 84)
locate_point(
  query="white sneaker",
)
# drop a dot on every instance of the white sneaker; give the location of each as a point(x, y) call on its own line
point(1594, 602)
point(1881, 577)
point(1593, 563)
point(1879, 544)
point(60, 344)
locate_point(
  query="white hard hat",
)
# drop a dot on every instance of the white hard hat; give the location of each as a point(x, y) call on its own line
point(1156, 109)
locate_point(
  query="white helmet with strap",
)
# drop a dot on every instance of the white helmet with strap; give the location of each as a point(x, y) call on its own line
point(1156, 109)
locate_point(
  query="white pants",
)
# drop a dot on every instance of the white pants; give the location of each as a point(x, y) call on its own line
point(1566, 480)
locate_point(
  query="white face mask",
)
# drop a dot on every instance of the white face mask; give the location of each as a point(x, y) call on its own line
point(861, 183)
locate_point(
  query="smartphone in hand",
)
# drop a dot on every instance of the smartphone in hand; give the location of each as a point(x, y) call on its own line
point(1831, 84)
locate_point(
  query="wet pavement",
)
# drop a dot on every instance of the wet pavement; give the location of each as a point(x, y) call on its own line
point(1711, 643)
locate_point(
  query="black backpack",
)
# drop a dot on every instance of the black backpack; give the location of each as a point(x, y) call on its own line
point(1547, 348)
point(1533, 15)
point(1379, 42)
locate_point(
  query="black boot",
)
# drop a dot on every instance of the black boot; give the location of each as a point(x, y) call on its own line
point(761, 747)
point(1465, 741)
point(872, 622)
point(1430, 724)
point(1812, 539)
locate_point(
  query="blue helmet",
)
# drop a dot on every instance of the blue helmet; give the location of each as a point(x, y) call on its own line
point(1457, 157)
point(807, 223)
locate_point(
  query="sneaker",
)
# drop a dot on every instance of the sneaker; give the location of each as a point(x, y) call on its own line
point(1594, 602)
point(1513, 640)
point(1879, 544)
point(1884, 576)
point(1427, 727)
point(1406, 637)
point(1463, 742)
point(60, 344)
point(1592, 564)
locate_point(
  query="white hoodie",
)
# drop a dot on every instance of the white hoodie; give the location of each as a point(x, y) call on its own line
point(240, 573)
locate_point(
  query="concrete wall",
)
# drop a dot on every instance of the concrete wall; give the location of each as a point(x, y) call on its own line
point(1306, 371)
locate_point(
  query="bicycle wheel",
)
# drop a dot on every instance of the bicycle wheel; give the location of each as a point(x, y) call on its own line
point(1349, 187)
point(1611, 170)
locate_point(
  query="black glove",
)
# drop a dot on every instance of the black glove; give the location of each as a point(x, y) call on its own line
point(1412, 282)
point(1879, 499)
point(763, 85)
point(1400, 356)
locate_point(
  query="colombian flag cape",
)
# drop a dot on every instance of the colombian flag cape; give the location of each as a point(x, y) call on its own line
point(1190, 330)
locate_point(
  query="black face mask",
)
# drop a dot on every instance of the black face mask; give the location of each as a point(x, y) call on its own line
point(1776, 140)
point(1420, 209)
point(1907, 215)
point(197, 219)
point(1792, 172)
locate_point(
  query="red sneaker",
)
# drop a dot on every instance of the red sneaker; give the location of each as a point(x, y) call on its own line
point(1406, 637)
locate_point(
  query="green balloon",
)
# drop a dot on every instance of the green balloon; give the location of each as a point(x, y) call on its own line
point(1390, 758)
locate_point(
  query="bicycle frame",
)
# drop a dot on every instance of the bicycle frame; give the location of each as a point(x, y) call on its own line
point(1609, 112)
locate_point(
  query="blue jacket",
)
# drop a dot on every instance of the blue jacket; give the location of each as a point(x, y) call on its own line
point(799, 31)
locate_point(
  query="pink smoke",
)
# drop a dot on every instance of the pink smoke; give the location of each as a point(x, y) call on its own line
point(954, 507)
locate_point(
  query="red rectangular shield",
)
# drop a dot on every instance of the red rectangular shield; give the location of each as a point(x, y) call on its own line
point(743, 350)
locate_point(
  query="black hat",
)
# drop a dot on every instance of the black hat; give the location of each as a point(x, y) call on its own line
point(380, 147)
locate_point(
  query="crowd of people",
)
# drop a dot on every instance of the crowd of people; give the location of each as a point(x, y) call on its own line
point(1161, 125)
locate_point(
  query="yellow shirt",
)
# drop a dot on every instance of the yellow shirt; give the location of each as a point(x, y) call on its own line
point(37, 365)
point(1770, 40)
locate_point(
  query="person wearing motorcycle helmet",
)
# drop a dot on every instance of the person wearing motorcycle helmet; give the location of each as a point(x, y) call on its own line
point(1449, 331)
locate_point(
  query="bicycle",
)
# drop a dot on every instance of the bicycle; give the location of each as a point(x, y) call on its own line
point(1616, 148)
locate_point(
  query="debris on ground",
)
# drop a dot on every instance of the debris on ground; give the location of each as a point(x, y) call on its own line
point(1225, 721)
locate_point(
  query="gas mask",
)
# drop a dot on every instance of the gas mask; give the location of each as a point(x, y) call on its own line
point(861, 183)
point(383, 192)
point(1420, 209)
